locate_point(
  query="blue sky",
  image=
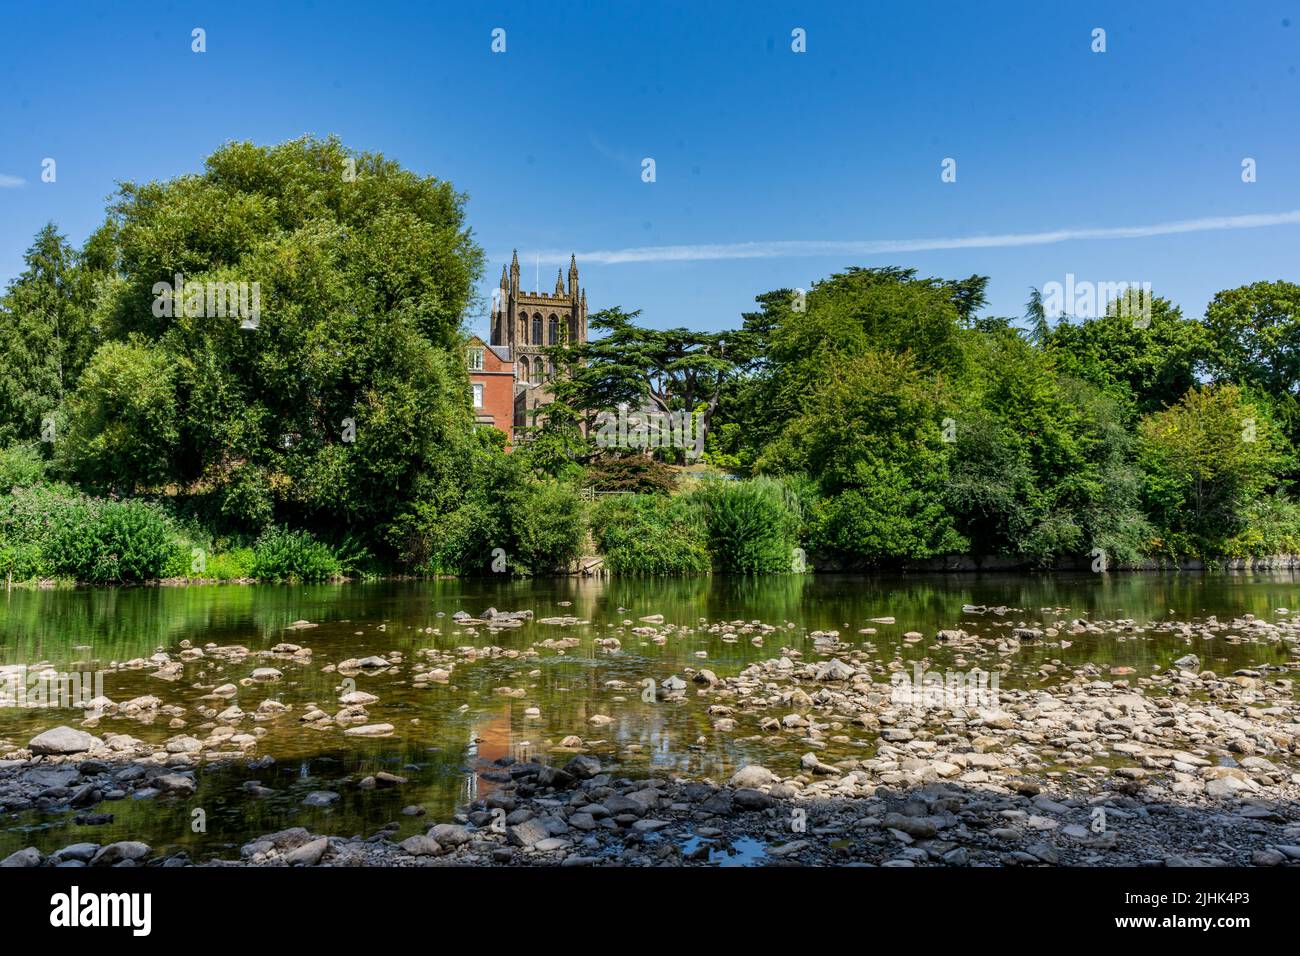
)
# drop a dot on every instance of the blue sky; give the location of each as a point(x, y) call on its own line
point(754, 145)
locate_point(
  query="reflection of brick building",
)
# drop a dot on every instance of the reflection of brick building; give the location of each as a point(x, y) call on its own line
point(528, 323)
point(492, 379)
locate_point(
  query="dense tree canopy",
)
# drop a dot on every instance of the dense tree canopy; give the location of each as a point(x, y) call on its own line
point(272, 349)
point(275, 339)
point(341, 396)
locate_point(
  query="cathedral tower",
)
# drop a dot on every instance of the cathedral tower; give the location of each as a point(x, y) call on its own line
point(531, 322)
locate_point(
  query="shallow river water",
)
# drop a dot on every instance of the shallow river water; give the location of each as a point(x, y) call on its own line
point(447, 735)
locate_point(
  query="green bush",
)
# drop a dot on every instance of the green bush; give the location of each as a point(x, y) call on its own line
point(54, 531)
point(19, 561)
point(133, 541)
point(231, 565)
point(648, 534)
point(538, 524)
point(547, 526)
point(1272, 527)
point(439, 532)
point(245, 499)
point(284, 555)
point(752, 526)
point(636, 473)
point(20, 467)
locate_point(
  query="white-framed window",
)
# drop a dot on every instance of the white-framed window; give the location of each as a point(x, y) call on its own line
point(478, 394)
point(474, 357)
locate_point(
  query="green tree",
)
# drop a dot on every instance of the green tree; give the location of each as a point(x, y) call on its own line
point(347, 399)
point(667, 370)
point(872, 431)
point(1206, 461)
point(1254, 333)
point(1144, 362)
point(1041, 464)
point(120, 426)
point(45, 334)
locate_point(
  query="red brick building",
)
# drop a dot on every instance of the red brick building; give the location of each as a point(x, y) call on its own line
point(492, 380)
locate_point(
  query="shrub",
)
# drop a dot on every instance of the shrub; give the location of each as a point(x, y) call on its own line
point(752, 526)
point(20, 467)
point(1272, 527)
point(547, 526)
point(246, 502)
point(284, 555)
point(19, 561)
point(876, 524)
point(122, 420)
point(1205, 461)
point(231, 565)
point(644, 534)
point(108, 542)
point(451, 523)
point(53, 531)
point(635, 473)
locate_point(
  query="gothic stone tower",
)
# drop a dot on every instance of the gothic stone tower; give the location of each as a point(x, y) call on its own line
point(531, 322)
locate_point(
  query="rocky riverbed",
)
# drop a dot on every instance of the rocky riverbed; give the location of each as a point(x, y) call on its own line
point(1081, 765)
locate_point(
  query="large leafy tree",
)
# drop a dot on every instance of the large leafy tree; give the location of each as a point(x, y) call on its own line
point(872, 431)
point(793, 341)
point(1254, 341)
point(349, 397)
point(1255, 336)
point(119, 427)
point(1041, 463)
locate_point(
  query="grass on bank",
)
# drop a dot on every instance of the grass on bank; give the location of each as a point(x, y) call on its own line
point(50, 531)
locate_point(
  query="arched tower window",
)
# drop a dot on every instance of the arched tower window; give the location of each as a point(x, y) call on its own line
point(523, 369)
point(553, 333)
point(537, 371)
point(537, 329)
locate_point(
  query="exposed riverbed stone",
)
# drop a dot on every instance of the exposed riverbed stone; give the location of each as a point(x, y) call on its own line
point(63, 740)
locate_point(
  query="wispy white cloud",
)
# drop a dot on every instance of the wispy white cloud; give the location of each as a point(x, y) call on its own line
point(804, 248)
point(11, 182)
point(614, 155)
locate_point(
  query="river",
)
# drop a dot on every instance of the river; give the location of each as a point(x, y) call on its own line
point(448, 734)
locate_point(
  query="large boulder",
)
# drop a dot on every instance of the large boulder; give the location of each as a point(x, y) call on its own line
point(23, 858)
point(752, 777)
point(528, 833)
point(449, 834)
point(118, 852)
point(309, 854)
point(63, 740)
point(834, 670)
point(420, 845)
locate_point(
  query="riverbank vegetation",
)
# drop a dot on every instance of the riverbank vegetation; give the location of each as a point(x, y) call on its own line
point(875, 420)
point(916, 429)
